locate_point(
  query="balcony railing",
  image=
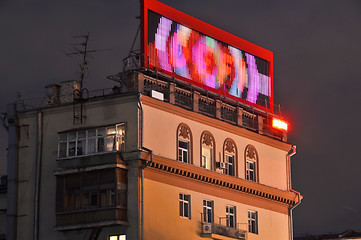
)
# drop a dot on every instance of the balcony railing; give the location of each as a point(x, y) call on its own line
point(242, 116)
point(214, 228)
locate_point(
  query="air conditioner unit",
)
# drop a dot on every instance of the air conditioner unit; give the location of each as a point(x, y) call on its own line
point(221, 165)
point(207, 227)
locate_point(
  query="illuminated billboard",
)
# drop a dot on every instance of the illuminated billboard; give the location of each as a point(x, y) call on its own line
point(206, 56)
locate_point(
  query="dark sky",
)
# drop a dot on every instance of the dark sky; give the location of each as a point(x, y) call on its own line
point(316, 45)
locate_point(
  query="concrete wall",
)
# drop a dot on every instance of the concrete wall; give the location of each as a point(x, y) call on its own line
point(99, 113)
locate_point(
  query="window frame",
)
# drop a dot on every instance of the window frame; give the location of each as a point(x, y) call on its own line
point(206, 212)
point(184, 204)
point(208, 142)
point(230, 215)
point(184, 134)
point(251, 157)
point(74, 138)
point(230, 150)
point(253, 221)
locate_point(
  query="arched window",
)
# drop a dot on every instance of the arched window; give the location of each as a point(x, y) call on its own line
point(230, 157)
point(207, 151)
point(251, 162)
point(184, 143)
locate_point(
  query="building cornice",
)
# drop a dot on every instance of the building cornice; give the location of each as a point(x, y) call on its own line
point(219, 185)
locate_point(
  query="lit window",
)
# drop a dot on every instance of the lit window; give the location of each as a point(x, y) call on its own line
point(253, 221)
point(185, 205)
point(85, 142)
point(231, 216)
point(207, 157)
point(117, 237)
point(207, 211)
point(251, 164)
point(184, 143)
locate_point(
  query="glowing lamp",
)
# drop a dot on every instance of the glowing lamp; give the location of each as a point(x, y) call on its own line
point(279, 124)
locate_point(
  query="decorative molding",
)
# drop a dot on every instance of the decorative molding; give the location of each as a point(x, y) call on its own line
point(214, 181)
point(207, 139)
point(184, 132)
point(251, 152)
point(230, 146)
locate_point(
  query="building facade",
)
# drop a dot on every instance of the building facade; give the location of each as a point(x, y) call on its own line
point(154, 158)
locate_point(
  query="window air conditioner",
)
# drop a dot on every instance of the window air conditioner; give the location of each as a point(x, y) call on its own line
point(207, 227)
point(221, 165)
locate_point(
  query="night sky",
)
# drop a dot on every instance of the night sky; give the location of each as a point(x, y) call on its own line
point(316, 46)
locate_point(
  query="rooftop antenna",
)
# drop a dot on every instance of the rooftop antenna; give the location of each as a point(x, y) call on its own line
point(84, 52)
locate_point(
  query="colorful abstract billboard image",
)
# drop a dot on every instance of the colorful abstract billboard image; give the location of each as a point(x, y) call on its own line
point(207, 62)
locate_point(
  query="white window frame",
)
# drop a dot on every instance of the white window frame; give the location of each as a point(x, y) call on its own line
point(208, 211)
point(228, 165)
point(184, 204)
point(251, 173)
point(231, 216)
point(253, 221)
point(118, 137)
point(183, 151)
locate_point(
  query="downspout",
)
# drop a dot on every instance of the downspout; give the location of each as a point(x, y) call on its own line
point(289, 155)
point(39, 144)
point(143, 167)
point(12, 169)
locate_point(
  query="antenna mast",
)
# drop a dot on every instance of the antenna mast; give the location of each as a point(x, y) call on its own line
point(85, 53)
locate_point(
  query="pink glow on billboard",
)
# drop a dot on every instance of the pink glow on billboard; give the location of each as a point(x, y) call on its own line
point(207, 62)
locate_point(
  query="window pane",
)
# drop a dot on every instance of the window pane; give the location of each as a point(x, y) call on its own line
point(101, 147)
point(91, 145)
point(62, 137)
point(111, 130)
point(62, 149)
point(71, 149)
point(71, 136)
point(113, 238)
point(81, 134)
point(110, 145)
point(80, 150)
point(91, 133)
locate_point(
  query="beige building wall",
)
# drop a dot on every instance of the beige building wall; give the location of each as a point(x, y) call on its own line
point(163, 123)
point(162, 220)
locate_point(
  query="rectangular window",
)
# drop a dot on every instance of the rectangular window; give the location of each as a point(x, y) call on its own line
point(207, 158)
point(185, 205)
point(253, 221)
point(117, 237)
point(85, 142)
point(251, 171)
point(183, 151)
point(231, 216)
point(207, 211)
point(229, 165)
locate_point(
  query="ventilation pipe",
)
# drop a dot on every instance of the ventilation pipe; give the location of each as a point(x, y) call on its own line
point(289, 155)
point(39, 144)
point(143, 167)
point(12, 194)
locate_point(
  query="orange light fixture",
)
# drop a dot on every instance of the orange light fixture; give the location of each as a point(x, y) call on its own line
point(279, 124)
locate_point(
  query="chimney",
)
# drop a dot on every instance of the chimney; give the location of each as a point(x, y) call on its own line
point(67, 89)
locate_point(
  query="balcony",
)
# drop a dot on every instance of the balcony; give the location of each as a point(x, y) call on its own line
point(220, 231)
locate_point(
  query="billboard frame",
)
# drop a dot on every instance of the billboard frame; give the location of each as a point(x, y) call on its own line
point(209, 30)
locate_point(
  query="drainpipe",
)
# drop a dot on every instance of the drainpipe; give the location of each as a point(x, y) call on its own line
point(39, 143)
point(289, 155)
point(12, 194)
point(143, 167)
